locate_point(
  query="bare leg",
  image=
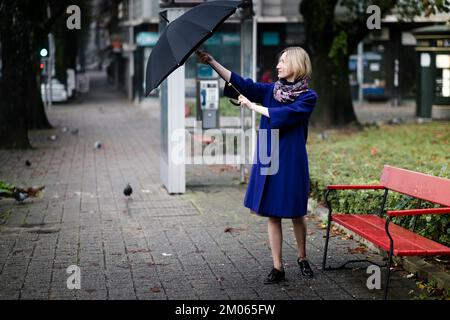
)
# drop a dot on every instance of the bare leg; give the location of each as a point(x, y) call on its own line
point(275, 240)
point(300, 236)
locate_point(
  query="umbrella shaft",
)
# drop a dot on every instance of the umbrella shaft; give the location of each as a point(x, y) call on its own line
point(228, 83)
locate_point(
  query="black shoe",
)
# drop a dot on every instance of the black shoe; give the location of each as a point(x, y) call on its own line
point(275, 276)
point(305, 268)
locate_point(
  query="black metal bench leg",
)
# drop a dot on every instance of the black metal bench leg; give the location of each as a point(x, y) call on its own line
point(391, 251)
point(388, 276)
point(325, 251)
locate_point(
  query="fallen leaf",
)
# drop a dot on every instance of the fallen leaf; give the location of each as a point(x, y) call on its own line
point(373, 151)
point(336, 231)
point(34, 191)
point(436, 292)
point(156, 289)
point(357, 250)
point(230, 229)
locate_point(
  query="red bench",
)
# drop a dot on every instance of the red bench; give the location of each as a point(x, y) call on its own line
point(379, 230)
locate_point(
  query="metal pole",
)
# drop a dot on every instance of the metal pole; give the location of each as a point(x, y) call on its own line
point(254, 39)
point(44, 78)
point(131, 53)
point(360, 71)
point(242, 167)
point(396, 83)
point(50, 65)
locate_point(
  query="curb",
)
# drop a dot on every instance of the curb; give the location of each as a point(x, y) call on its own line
point(417, 265)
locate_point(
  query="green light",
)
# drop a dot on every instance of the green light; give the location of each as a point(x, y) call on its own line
point(44, 52)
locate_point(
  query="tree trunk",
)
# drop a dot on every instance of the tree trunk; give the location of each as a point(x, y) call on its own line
point(330, 81)
point(329, 57)
point(15, 50)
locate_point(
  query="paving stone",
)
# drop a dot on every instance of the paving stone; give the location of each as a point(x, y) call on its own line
point(126, 248)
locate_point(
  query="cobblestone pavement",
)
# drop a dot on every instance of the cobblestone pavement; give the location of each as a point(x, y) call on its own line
point(200, 245)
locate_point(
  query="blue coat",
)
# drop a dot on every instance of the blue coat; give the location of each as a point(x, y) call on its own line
point(285, 193)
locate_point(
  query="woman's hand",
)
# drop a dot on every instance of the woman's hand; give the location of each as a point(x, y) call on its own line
point(253, 106)
point(245, 102)
point(204, 57)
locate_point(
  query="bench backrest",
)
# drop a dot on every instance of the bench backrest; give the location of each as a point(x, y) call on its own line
point(415, 184)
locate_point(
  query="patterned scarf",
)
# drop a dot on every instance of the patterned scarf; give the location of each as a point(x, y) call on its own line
point(284, 91)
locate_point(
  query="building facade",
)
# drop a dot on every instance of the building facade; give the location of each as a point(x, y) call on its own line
point(387, 53)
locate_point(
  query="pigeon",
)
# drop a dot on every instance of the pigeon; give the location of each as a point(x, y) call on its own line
point(74, 131)
point(27, 163)
point(396, 121)
point(19, 195)
point(97, 145)
point(128, 190)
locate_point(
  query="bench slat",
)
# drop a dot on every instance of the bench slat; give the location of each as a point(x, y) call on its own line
point(350, 187)
point(414, 239)
point(406, 243)
point(416, 212)
point(416, 184)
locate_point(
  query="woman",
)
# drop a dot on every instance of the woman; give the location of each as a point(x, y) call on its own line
point(285, 105)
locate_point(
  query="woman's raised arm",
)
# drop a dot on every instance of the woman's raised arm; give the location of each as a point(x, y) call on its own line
point(208, 59)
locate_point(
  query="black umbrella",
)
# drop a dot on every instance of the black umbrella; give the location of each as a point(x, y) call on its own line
point(183, 36)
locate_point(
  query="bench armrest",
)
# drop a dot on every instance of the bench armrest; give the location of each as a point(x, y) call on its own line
point(345, 187)
point(416, 212)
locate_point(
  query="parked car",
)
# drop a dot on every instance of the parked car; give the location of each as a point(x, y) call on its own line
point(59, 92)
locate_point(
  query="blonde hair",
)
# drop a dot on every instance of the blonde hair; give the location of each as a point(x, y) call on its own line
point(298, 61)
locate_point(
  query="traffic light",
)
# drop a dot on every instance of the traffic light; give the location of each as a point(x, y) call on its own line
point(43, 53)
point(43, 65)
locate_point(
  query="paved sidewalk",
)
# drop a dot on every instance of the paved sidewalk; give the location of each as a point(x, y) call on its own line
point(200, 245)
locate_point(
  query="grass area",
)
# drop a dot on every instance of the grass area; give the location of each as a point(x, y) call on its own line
point(358, 158)
point(346, 157)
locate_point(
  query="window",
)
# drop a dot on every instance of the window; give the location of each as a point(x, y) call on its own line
point(443, 75)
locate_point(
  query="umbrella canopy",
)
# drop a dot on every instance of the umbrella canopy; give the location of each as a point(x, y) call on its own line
point(183, 36)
